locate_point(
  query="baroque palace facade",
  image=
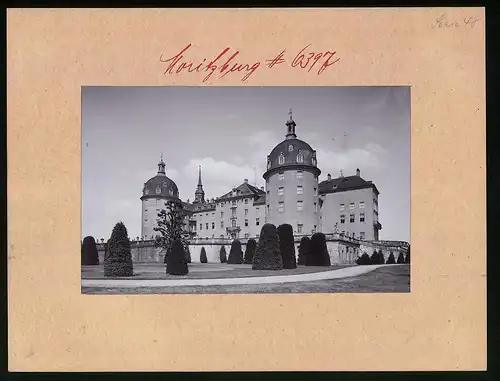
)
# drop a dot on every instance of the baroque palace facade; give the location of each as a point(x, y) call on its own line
point(346, 205)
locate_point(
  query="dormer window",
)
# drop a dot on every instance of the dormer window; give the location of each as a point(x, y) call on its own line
point(170, 192)
point(146, 191)
point(281, 159)
point(300, 158)
point(158, 189)
point(268, 163)
point(290, 148)
point(164, 183)
point(313, 161)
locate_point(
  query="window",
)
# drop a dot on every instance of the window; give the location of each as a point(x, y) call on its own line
point(201, 226)
point(234, 202)
point(313, 161)
point(361, 204)
point(342, 218)
point(158, 190)
point(281, 206)
point(246, 201)
point(299, 189)
point(281, 159)
point(213, 215)
point(221, 214)
point(170, 192)
point(267, 208)
point(351, 205)
point(246, 212)
point(206, 214)
point(213, 225)
point(233, 223)
point(222, 224)
point(362, 235)
point(146, 212)
point(342, 206)
point(299, 174)
point(299, 228)
point(157, 201)
point(300, 158)
point(290, 148)
point(315, 208)
point(300, 206)
point(361, 217)
point(281, 175)
point(351, 218)
point(257, 222)
point(268, 163)
point(206, 225)
point(257, 210)
point(233, 212)
point(246, 222)
point(281, 190)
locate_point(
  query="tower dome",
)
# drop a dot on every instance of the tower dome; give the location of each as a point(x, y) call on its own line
point(155, 193)
point(291, 153)
point(292, 183)
point(160, 186)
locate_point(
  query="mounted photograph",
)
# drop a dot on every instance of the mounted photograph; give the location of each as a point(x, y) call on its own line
point(210, 190)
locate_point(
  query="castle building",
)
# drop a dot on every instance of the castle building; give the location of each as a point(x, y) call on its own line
point(292, 184)
point(292, 195)
point(349, 205)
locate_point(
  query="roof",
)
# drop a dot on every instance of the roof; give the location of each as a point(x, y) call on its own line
point(342, 184)
point(167, 188)
point(243, 190)
point(290, 149)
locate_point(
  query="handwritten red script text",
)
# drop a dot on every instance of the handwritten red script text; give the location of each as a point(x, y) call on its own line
point(226, 62)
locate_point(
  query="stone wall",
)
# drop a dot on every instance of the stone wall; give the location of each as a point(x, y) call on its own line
point(342, 250)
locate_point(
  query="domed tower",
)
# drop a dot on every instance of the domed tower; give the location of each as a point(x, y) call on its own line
point(157, 190)
point(292, 183)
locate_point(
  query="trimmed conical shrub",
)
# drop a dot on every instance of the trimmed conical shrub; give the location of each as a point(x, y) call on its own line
point(235, 254)
point(304, 248)
point(267, 254)
point(318, 256)
point(222, 254)
point(407, 257)
point(176, 260)
point(250, 251)
point(203, 256)
point(374, 258)
point(381, 259)
point(401, 258)
point(89, 252)
point(118, 259)
point(391, 260)
point(287, 246)
point(364, 260)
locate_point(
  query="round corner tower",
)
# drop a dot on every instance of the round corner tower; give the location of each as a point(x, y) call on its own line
point(156, 192)
point(292, 183)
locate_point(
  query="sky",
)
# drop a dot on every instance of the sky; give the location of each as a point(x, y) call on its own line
point(229, 131)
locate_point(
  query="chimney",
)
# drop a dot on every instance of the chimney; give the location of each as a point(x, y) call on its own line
point(358, 173)
point(245, 181)
point(329, 177)
point(261, 188)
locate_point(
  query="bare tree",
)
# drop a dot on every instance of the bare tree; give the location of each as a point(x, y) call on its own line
point(171, 226)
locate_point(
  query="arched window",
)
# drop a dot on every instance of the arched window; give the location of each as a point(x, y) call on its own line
point(281, 159)
point(268, 163)
point(314, 161)
point(290, 148)
point(300, 158)
point(158, 189)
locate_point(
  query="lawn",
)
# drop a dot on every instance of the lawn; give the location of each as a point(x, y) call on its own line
point(385, 279)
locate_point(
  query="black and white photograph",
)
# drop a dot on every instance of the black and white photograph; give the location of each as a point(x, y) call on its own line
point(245, 190)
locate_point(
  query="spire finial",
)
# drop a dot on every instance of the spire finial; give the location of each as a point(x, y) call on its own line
point(161, 166)
point(290, 124)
